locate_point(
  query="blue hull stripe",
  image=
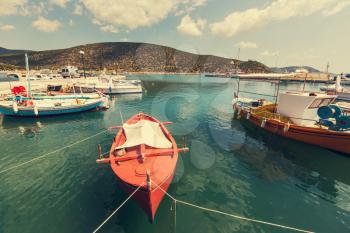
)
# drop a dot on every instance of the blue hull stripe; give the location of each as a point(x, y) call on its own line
point(30, 112)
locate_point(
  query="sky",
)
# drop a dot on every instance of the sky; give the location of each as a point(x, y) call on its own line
point(274, 32)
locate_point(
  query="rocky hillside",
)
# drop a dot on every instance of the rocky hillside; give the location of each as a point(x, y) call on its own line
point(131, 57)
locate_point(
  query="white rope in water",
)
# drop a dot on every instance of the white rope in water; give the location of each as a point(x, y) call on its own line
point(116, 210)
point(52, 152)
point(232, 215)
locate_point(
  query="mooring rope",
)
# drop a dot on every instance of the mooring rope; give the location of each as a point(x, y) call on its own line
point(232, 215)
point(116, 210)
point(52, 152)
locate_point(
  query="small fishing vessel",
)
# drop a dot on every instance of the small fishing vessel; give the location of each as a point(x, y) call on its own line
point(47, 107)
point(109, 85)
point(303, 116)
point(70, 72)
point(144, 154)
point(23, 103)
point(337, 89)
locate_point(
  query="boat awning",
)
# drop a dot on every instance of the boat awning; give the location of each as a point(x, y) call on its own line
point(145, 132)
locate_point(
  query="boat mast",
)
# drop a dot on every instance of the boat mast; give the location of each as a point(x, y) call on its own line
point(238, 53)
point(327, 70)
point(28, 78)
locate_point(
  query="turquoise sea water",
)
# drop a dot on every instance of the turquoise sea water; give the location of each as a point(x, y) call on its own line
point(231, 167)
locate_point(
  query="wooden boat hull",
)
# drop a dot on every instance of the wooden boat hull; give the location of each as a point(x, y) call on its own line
point(333, 140)
point(29, 111)
point(133, 172)
point(148, 200)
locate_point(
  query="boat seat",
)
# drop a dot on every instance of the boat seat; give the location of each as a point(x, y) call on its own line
point(145, 132)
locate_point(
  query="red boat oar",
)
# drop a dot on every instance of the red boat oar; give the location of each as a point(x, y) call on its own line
point(155, 153)
point(144, 152)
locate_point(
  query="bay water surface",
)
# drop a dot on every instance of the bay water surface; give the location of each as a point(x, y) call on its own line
point(231, 167)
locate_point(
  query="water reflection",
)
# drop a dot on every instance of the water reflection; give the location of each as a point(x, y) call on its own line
point(315, 170)
point(31, 127)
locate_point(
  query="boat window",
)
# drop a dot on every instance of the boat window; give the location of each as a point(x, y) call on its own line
point(326, 102)
point(320, 102)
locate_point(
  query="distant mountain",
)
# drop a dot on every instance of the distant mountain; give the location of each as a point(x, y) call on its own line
point(290, 69)
point(4, 51)
point(130, 56)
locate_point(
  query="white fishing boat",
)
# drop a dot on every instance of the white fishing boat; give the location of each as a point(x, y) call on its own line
point(48, 107)
point(337, 89)
point(70, 72)
point(108, 85)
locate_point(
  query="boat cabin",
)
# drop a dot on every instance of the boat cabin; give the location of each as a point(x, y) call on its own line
point(70, 71)
point(301, 107)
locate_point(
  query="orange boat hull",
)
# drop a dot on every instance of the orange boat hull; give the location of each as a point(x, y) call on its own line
point(148, 200)
point(333, 140)
point(158, 165)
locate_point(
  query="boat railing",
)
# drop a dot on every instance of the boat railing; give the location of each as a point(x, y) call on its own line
point(260, 94)
point(274, 96)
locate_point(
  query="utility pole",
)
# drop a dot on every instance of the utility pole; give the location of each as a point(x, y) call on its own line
point(82, 53)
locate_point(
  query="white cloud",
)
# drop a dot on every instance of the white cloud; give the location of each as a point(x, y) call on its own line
point(71, 23)
point(36, 9)
point(60, 3)
point(268, 53)
point(137, 13)
point(109, 28)
point(96, 22)
point(124, 39)
point(132, 14)
point(337, 8)
point(191, 27)
point(246, 45)
point(11, 7)
point(78, 9)
point(188, 6)
point(198, 2)
point(277, 10)
point(21, 7)
point(7, 27)
point(46, 25)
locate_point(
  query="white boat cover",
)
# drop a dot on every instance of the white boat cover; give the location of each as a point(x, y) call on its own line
point(145, 132)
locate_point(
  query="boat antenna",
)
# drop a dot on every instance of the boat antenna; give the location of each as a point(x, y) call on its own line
point(277, 93)
point(27, 75)
point(75, 94)
point(327, 70)
point(304, 82)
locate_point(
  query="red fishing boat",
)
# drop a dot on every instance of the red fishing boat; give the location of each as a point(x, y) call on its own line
point(144, 155)
point(305, 117)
